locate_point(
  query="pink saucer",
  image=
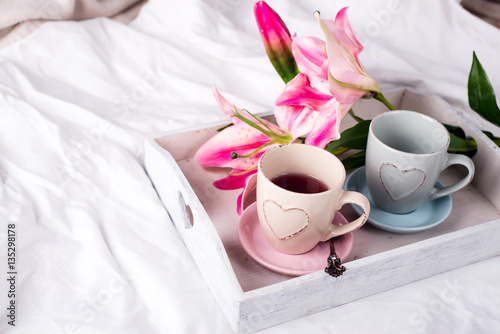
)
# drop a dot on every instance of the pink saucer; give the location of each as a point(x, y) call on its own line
point(254, 242)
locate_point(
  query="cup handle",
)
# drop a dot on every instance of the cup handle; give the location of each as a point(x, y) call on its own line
point(355, 198)
point(455, 159)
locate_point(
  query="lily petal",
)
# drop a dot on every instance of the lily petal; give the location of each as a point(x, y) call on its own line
point(309, 52)
point(347, 78)
point(297, 120)
point(347, 92)
point(235, 180)
point(239, 138)
point(226, 107)
point(299, 92)
point(239, 200)
point(229, 109)
point(355, 47)
point(327, 126)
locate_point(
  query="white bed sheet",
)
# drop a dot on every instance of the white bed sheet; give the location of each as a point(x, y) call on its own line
point(97, 252)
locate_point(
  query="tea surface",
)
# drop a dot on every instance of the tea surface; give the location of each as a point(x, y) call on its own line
point(300, 183)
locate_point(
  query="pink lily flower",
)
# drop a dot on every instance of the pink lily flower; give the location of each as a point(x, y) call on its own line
point(239, 146)
point(277, 40)
point(304, 110)
point(348, 80)
point(331, 81)
point(323, 81)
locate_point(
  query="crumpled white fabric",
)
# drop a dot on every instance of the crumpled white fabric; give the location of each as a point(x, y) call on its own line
point(19, 19)
point(97, 252)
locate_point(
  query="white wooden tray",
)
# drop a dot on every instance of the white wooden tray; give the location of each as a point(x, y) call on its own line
point(253, 297)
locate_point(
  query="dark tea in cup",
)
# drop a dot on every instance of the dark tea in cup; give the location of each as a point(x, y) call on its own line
point(300, 183)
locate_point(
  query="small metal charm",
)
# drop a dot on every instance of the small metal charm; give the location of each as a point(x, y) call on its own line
point(335, 267)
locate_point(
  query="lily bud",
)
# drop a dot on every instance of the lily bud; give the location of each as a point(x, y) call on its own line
point(277, 40)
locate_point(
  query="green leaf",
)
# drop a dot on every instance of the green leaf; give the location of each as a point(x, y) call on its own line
point(489, 134)
point(467, 146)
point(494, 139)
point(481, 94)
point(354, 161)
point(455, 130)
point(353, 138)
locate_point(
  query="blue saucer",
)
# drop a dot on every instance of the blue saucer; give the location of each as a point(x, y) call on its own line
point(426, 216)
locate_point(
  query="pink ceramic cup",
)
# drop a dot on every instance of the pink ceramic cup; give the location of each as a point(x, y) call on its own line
point(295, 222)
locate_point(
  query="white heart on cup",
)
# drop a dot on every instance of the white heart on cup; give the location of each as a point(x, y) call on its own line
point(400, 183)
point(284, 223)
